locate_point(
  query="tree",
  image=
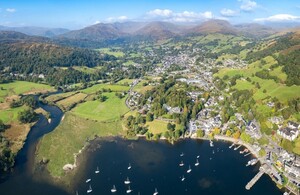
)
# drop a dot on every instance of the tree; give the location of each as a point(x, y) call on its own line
point(171, 127)
point(27, 116)
point(228, 133)
point(236, 135)
point(246, 138)
point(149, 117)
point(200, 133)
point(2, 126)
point(102, 98)
point(217, 131)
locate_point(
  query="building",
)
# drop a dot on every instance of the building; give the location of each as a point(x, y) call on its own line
point(288, 133)
point(253, 129)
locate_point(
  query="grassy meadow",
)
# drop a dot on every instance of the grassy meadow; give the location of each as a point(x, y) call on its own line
point(109, 51)
point(21, 87)
point(112, 109)
point(69, 137)
point(98, 87)
point(271, 88)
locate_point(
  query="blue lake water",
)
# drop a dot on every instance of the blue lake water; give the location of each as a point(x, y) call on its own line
point(156, 165)
point(153, 165)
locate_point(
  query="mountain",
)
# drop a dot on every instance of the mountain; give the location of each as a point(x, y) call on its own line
point(214, 26)
point(95, 32)
point(36, 31)
point(255, 30)
point(159, 30)
point(12, 36)
point(129, 27)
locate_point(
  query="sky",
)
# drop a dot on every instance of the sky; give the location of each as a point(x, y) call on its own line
point(75, 14)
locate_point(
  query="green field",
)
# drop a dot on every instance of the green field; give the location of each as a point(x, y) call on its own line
point(69, 137)
point(112, 109)
point(21, 87)
point(57, 97)
point(273, 89)
point(142, 89)
point(157, 126)
point(86, 69)
point(98, 87)
point(109, 51)
point(71, 100)
point(11, 114)
point(124, 81)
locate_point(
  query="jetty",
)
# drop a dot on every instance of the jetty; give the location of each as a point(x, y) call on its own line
point(263, 169)
point(247, 154)
point(236, 148)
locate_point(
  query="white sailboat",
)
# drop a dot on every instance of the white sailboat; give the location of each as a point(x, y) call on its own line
point(181, 164)
point(181, 154)
point(211, 143)
point(129, 166)
point(129, 190)
point(127, 181)
point(197, 163)
point(156, 192)
point(189, 170)
point(97, 170)
point(183, 178)
point(114, 189)
point(198, 156)
point(88, 180)
point(89, 190)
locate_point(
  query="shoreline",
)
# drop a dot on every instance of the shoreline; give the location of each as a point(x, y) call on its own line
point(215, 138)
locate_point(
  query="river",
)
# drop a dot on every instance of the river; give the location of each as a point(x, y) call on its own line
point(154, 165)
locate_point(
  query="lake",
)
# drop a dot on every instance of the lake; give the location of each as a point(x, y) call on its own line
point(153, 165)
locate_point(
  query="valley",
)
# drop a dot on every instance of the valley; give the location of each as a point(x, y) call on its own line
point(158, 81)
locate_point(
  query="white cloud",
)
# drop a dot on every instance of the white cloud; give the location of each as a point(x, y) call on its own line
point(171, 16)
point(11, 10)
point(229, 13)
point(160, 12)
point(279, 18)
point(116, 19)
point(248, 5)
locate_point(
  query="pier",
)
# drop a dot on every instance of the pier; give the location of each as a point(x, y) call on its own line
point(237, 147)
point(251, 183)
point(247, 154)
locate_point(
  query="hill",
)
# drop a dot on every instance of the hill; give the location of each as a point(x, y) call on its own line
point(12, 36)
point(36, 31)
point(159, 30)
point(214, 26)
point(255, 30)
point(96, 32)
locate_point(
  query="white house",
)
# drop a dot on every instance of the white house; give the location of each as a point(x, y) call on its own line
point(288, 133)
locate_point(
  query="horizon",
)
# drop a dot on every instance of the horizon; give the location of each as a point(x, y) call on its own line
point(79, 14)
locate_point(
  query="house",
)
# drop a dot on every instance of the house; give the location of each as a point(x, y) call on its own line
point(253, 129)
point(172, 109)
point(288, 133)
point(293, 125)
point(292, 170)
point(276, 120)
point(271, 104)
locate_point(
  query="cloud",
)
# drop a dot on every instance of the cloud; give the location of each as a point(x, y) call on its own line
point(248, 5)
point(116, 19)
point(11, 10)
point(160, 12)
point(279, 18)
point(171, 16)
point(228, 12)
